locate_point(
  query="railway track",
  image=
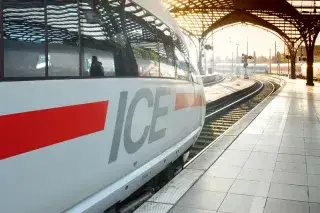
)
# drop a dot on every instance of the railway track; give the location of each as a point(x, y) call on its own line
point(220, 118)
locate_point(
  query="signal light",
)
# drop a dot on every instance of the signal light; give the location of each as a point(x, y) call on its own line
point(245, 60)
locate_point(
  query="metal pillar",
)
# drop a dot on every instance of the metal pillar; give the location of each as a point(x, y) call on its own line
point(237, 62)
point(200, 57)
point(232, 63)
point(213, 59)
point(293, 56)
point(205, 63)
point(310, 41)
point(310, 60)
point(270, 60)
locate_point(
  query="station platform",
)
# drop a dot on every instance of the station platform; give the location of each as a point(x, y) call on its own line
point(226, 88)
point(268, 162)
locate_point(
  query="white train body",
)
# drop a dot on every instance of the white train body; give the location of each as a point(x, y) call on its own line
point(84, 144)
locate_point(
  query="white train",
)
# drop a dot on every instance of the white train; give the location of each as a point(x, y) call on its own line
point(75, 143)
point(238, 68)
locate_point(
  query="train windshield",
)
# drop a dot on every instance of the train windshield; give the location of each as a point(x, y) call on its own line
point(88, 38)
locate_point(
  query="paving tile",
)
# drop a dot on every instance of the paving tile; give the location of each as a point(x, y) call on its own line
point(293, 144)
point(234, 131)
point(267, 142)
point(169, 194)
point(225, 160)
point(314, 207)
point(214, 184)
point(205, 160)
point(223, 142)
point(223, 171)
point(239, 146)
point(286, 206)
point(153, 207)
point(312, 145)
point(292, 139)
point(254, 174)
point(247, 138)
point(291, 158)
point(262, 148)
point(258, 205)
point(249, 187)
point(275, 139)
point(291, 167)
point(312, 140)
point(237, 153)
point(253, 130)
point(313, 152)
point(260, 164)
point(313, 169)
point(272, 132)
point(185, 178)
point(292, 150)
point(181, 209)
point(263, 156)
point(312, 134)
point(234, 203)
point(290, 178)
point(288, 192)
point(313, 160)
point(314, 180)
point(202, 199)
point(314, 194)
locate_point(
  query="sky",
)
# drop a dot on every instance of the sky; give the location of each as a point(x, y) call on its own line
point(225, 41)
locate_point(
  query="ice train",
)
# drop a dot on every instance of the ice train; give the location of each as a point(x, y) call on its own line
point(72, 142)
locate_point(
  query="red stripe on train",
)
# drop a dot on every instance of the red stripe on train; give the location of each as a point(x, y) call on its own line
point(28, 131)
point(187, 100)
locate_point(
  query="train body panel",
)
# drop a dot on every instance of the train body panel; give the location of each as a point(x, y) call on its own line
point(153, 115)
point(73, 142)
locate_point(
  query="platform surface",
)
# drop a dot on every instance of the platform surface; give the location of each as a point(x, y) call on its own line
point(225, 88)
point(269, 162)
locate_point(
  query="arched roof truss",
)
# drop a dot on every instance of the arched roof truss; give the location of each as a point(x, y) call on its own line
point(294, 20)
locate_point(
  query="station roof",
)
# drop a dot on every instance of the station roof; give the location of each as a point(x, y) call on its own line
point(289, 18)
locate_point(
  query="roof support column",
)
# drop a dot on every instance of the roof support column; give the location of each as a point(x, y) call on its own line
point(310, 60)
point(293, 65)
point(310, 41)
point(293, 57)
point(201, 48)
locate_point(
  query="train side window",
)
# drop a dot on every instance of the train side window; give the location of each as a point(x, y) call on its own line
point(63, 38)
point(182, 60)
point(142, 36)
point(167, 55)
point(24, 40)
point(104, 47)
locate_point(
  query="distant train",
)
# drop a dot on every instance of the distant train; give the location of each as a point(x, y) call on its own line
point(238, 68)
point(281, 69)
